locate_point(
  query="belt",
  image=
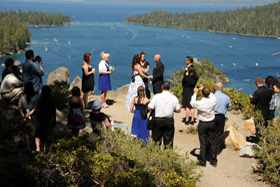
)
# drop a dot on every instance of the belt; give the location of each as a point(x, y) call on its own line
point(164, 118)
point(207, 121)
point(220, 115)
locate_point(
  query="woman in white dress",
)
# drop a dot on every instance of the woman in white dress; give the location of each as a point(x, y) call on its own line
point(136, 80)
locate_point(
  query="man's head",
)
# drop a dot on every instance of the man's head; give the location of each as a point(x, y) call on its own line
point(219, 86)
point(9, 63)
point(29, 54)
point(189, 60)
point(166, 86)
point(205, 91)
point(157, 58)
point(259, 82)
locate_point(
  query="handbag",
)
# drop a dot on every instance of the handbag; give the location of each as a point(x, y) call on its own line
point(150, 121)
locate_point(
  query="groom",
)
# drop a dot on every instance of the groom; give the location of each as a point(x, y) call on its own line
point(157, 77)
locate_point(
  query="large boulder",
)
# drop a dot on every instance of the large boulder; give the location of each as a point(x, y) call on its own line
point(119, 94)
point(76, 82)
point(249, 125)
point(249, 149)
point(59, 74)
point(235, 140)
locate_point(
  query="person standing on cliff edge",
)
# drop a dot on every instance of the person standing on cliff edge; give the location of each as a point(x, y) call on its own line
point(157, 77)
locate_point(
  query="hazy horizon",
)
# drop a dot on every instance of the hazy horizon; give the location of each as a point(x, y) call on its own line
point(167, 1)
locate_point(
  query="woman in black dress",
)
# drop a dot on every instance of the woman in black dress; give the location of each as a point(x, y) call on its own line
point(46, 117)
point(189, 81)
point(88, 78)
point(145, 65)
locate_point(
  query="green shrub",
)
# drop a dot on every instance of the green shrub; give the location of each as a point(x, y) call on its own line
point(60, 92)
point(269, 157)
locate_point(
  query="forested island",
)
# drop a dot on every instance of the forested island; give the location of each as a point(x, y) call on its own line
point(255, 21)
point(14, 32)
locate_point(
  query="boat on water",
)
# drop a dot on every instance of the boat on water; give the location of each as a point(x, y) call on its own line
point(247, 80)
point(56, 40)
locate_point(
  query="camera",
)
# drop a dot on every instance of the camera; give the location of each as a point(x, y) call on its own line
point(198, 86)
point(37, 59)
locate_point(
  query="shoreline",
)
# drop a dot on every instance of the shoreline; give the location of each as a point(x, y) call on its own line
point(219, 32)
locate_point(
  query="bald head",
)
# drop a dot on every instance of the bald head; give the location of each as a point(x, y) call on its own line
point(157, 58)
point(219, 86)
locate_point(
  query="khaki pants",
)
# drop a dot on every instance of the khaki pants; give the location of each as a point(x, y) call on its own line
point(13, 95)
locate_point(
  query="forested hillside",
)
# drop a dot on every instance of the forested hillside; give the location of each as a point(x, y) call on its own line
point(14, 32)
point(259, 21)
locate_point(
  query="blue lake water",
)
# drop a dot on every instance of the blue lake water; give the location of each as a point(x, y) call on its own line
point(100, 26)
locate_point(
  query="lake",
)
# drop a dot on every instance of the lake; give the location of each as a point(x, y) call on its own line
point(100, 26)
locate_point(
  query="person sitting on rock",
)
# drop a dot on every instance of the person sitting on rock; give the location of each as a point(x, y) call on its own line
point(11, 87)
point(97, 117)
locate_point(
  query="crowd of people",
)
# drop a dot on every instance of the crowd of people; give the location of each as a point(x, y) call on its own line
point(22, 84)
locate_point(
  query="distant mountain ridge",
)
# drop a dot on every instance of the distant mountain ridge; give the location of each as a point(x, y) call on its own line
point(192, 1)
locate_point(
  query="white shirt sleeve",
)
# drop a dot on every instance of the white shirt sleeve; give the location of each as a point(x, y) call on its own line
point(152, 103)
point(102, 66)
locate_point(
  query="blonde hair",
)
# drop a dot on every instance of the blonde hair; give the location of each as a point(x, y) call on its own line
point(102, 53)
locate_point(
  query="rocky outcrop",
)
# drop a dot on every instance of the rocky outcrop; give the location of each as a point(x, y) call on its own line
point(76, 82)
point(119, 94)
point(60, 74)
point(235, 140)
point(249, 125)
point(249, 150)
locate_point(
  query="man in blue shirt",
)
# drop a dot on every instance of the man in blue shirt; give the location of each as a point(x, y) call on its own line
point(32, 72)
point(223, 104)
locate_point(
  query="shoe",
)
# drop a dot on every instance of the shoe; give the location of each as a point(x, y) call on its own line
point(201, 164)
point(187, 122)
point(214, 164)
point(184, 120)
point(192, 122)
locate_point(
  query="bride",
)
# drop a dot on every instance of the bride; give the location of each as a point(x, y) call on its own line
point(136, 80)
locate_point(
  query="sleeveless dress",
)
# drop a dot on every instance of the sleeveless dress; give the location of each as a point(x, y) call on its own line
point(132, 91)
point(76, 118)
point(139, 125)
point(104, 83)
point(87, 81)
point(188, 84)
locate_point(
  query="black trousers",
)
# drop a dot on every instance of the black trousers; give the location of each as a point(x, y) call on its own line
point(206, 134)
point(157, 87)
point(219, 130)
point(163, 129)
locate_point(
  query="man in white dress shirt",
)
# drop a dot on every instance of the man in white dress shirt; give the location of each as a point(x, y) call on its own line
point(206, 125)
point(164, 104)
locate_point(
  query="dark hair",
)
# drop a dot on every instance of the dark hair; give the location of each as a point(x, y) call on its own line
point(166, 85)
point(29, 53)
point(29, 91)
point(9, 62)
point(259, 80)
point(140, 94)
point(206, 91)
point(135, 60)
point(76, 91)
point(192, 72)
point(271, 81)
point(142, 53)
point(190, 59)
point(46, 92)
point(86, 57)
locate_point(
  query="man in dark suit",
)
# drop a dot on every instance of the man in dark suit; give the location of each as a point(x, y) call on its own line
point(157, 77)
point(261, 99)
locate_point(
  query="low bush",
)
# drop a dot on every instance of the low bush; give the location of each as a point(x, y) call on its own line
point(269, 157)
point(60, 92)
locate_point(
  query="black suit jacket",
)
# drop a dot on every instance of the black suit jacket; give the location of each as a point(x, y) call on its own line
point(261, 99)
point(158, 77)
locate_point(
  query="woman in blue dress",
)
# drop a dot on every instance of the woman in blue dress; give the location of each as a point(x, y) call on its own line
point(104, 83)
point(139, 125)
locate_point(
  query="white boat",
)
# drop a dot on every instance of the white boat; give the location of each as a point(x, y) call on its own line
point(46, 49)
point(56, 40)
point(247, 80)
point(257, 64)
point(69, 42)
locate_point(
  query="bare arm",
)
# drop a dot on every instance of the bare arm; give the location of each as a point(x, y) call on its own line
point(86, 72)
point(20, 108)
point(107, 123)
point(139, 69)
point(131, 106)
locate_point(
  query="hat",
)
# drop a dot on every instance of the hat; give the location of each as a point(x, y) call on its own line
point(96, 105)
point(17, 63)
